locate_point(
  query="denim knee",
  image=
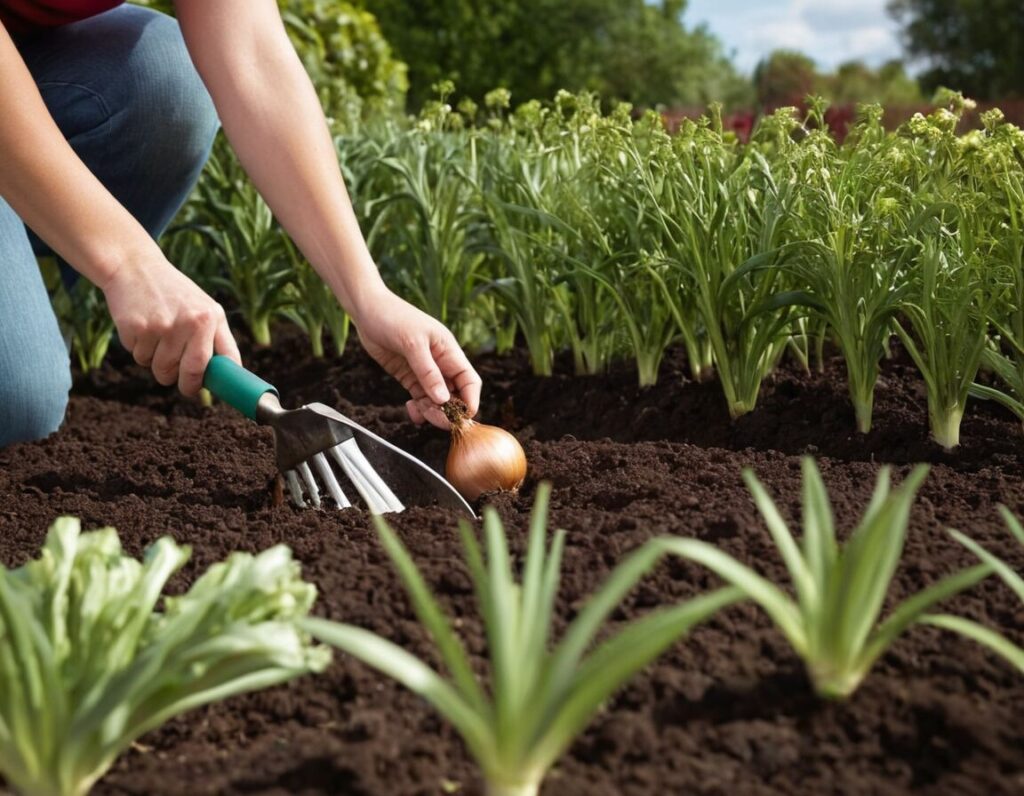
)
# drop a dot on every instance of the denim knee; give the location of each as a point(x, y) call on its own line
point(33, 403)
point(173, 118)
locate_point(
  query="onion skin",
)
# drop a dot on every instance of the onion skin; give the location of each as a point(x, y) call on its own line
point(482, 458)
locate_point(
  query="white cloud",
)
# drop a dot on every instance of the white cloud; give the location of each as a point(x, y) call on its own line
point(829, 31)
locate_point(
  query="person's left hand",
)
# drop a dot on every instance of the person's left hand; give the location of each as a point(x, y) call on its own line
point(421, 354)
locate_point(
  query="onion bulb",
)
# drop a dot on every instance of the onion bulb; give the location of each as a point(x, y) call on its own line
point(482, 458)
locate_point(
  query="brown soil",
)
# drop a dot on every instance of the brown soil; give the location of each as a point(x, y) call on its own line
point(726, 711)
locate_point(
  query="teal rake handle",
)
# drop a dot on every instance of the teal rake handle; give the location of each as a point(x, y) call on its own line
point(235, 385)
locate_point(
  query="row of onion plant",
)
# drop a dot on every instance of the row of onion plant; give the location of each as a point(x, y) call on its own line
point(563, 228)
point(94, 653)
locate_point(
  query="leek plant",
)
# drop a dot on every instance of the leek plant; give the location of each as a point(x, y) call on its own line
point(955, 278)
point(833, 623)
point(1004, 357)
point(247, 242)
point(314, 307)
point(523, 251)
point(975, 630)
point(847, 271)
point(728, 228)
point(945, 321)
point(538, 698)
point(88, 662)
point(431, 223)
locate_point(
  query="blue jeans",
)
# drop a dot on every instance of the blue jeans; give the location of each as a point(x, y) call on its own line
point(124, 92)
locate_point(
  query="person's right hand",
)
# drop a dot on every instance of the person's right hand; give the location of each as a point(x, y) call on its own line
point(168, 323)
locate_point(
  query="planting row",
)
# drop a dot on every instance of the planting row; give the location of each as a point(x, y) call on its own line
point(94, 655)
point(563, 228)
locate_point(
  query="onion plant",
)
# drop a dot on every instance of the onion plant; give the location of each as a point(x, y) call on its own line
point(833, 622)
point(538, 698)
point(945, 321)
point(975, 630)
point(314, 307)
point(89, 660)
point(1003, 162)
point(847, 270)
point(247, 242)
point(431, 223)
point(523, 252)
point(727, 224)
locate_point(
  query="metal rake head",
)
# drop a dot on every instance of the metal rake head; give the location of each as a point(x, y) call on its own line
point(312, 440)
point(376, 494)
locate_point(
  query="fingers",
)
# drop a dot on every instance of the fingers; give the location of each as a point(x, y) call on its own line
point(181, 351)
point(224, 342)
point(145, 348)
point(167, 358)
point(428, 375)
point(465, 379)
point(197, 355)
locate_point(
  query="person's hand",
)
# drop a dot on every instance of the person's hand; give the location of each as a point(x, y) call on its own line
point(168, 323)
point(421, 354)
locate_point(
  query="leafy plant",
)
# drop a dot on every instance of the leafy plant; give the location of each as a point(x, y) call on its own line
point(833, 623)
point(248, 242)
point(539, 699)
point(975, 630)
point(1003, 167)
point(847, 270)
point(88, 662)
point(430, 221)
point(314, 307)
point(726, 217)
point(83, 313)
point(946, 312)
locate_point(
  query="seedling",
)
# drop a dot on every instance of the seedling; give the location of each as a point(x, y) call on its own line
point(833, 624)
point(538, 699)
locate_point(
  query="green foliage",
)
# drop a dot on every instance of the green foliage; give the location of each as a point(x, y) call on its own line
point(538, 698)
point(628, 50)
point(348, 59)
point(999, 644)
point(342, 48)
point(89, 662)
point(82, 314)
point(245, 243)
point(833, 624)
point(977, 48)
point(847, 271)
point(854, 82)
point(785, 77)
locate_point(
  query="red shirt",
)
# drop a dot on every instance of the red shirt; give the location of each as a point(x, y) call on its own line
point(22, 16)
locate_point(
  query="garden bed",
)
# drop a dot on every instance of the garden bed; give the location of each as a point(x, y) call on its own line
point(727, 711)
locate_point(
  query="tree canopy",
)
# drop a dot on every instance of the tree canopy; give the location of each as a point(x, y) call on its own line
point(786, 77)
point(631, 50)
point(973, 46)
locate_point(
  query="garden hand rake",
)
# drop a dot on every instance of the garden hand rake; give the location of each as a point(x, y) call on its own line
point(308, 439)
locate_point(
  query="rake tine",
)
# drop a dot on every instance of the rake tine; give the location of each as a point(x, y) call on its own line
point(378, 496)
point(294, 488)
point(311, 488)
point(323, 467)
point(374, 503)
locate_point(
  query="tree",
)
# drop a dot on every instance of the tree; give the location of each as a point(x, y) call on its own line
point(785, 77)
point(974, 46)
point(625, 49)
point(854, 82)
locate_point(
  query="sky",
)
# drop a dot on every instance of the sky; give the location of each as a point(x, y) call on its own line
point(829, 31)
